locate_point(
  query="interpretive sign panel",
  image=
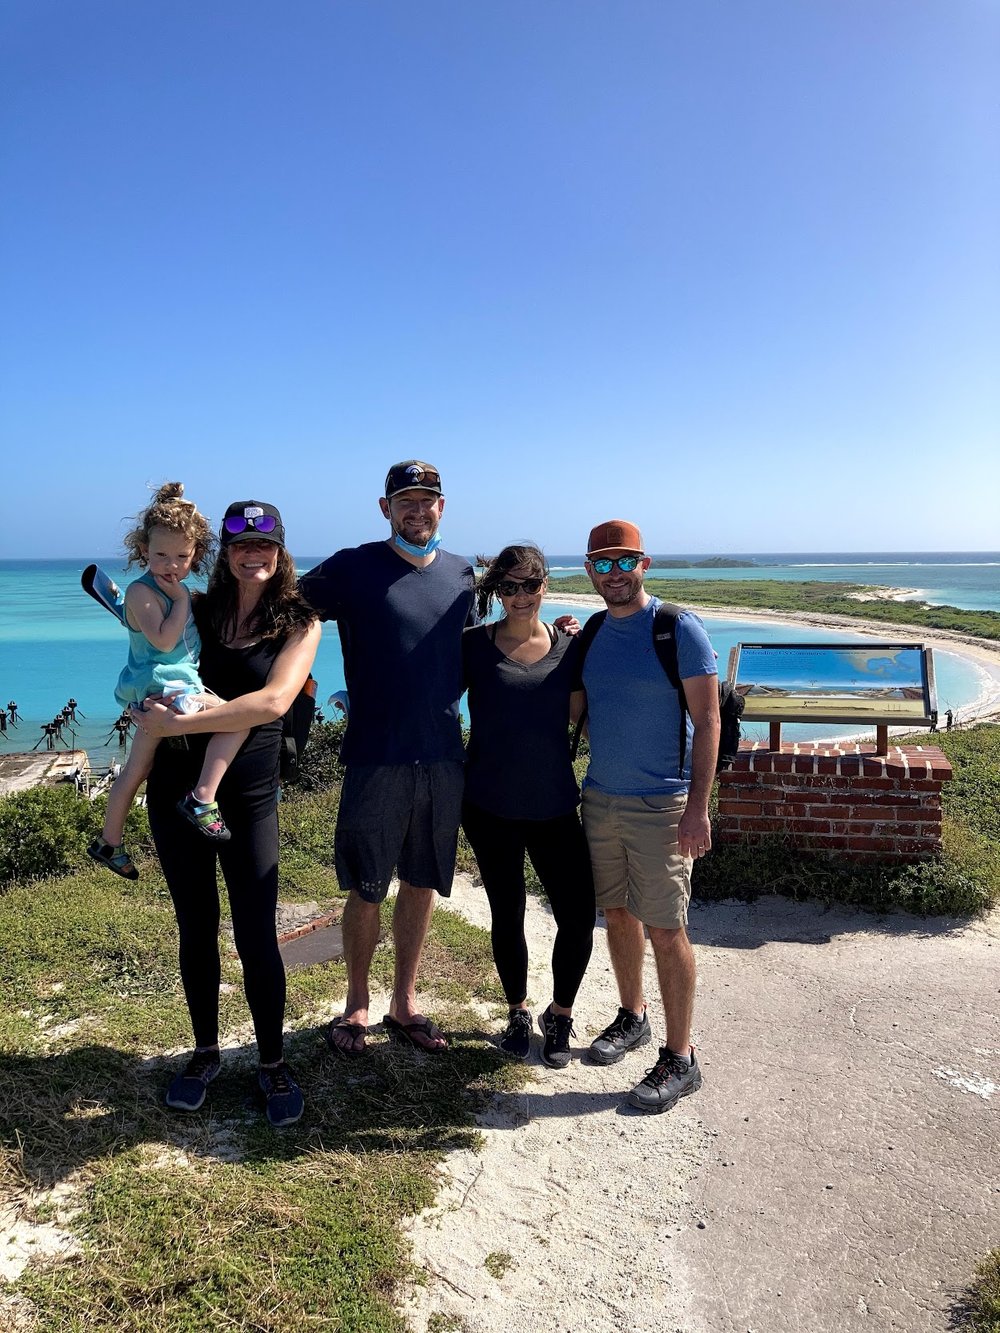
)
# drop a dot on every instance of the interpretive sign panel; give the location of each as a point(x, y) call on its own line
point(873, 683)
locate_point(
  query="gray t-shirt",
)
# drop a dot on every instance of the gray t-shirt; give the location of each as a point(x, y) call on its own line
point(518, 764)
point(401, 632)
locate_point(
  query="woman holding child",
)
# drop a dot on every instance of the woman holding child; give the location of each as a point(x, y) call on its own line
point(258, 641)
point(521, 794)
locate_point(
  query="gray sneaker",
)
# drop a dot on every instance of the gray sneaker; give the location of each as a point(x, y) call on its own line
point(670, 1079)
point(556, 1031)
point(623, 1035)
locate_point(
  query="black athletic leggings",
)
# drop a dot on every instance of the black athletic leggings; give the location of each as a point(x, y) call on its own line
point(249, 864)
point(558, 851)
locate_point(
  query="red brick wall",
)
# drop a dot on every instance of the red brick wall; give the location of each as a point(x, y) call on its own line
point(840, 799)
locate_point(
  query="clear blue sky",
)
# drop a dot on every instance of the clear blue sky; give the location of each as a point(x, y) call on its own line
point(729, 269)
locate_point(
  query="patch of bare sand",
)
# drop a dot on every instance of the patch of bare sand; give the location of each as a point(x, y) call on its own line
point(838, 1171)
point(580, 1200)
point(34, 1229)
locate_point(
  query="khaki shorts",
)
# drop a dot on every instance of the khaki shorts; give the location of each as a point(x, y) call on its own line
point(634, 853)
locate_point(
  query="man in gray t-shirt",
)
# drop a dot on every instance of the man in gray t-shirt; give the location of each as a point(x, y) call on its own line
point(401, 606)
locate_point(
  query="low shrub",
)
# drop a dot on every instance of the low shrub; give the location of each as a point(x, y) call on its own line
point(43, 831)
point(951, 885)
point(985, 1311)
point(320, 767)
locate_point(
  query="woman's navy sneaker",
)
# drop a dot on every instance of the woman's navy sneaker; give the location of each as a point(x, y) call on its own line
point(282, 1096)
point(187, 1091)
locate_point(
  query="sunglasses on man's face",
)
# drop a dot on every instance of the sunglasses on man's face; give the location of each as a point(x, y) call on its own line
point(237, 524)
point(511, 587)
point(626, 563)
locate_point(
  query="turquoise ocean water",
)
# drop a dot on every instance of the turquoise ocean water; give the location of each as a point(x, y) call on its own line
point(969, 579)
point(57, 643)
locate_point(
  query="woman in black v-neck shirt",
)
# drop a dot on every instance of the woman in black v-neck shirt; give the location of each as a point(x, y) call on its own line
point(521, 794)
point(259, 638)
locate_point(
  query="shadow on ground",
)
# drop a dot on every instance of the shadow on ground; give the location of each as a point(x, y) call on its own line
point(61, 1112)
point(732, 924)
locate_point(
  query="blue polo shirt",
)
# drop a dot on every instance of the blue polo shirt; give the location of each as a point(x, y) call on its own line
point(634, 713)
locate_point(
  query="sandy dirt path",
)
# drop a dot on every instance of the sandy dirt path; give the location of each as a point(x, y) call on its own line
point(838, 1171)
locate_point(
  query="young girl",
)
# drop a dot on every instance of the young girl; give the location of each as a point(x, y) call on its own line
point(170, 540)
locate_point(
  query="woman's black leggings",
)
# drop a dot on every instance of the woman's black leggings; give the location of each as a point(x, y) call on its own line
point(558, 851)
point(249, 864)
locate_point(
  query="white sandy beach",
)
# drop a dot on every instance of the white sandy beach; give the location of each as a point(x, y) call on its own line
point(983, 654)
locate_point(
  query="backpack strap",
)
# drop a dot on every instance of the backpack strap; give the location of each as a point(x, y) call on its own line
point(584, 639)
point(665, 646)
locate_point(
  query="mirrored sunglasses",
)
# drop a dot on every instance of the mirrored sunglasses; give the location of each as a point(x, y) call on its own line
point(236, 523)
point(626, 563)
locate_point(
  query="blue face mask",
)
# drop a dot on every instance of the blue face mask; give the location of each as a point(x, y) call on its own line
point(409, 547)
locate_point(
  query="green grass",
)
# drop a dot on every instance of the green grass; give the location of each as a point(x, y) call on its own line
point(823, 598)
point(214, 1220)
point(272, 1233)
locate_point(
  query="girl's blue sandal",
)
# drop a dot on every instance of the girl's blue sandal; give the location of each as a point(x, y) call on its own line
point(205, 818)
point(115, 859)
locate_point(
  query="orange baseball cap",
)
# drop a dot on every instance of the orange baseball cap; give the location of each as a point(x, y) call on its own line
point(616, 535)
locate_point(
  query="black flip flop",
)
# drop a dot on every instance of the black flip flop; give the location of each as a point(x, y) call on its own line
point(406, 1032)
point(354, 1031)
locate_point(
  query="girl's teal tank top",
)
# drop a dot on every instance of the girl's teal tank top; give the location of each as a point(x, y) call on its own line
point(149, 670)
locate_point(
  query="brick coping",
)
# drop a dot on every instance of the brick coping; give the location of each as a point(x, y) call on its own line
point(846, 758)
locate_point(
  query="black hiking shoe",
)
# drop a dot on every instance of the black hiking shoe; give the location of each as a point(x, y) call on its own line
point(556, 1031)
point(516, 1040)
point(618, 1038)
point(670, 1079)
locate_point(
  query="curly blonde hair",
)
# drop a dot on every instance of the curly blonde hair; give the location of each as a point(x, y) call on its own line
point(170, 511)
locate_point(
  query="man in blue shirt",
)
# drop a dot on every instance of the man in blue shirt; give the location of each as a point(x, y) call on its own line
point(400, 605)
point(645, 807)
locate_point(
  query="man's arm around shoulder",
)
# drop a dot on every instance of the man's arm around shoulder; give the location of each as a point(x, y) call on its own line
point(694, 832)
point(321, 585)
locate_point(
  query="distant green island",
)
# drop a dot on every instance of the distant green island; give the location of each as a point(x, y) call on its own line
point(858, 600)
point(713, 562)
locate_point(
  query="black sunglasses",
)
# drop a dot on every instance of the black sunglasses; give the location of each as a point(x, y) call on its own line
point(511, 587)
point(402, 479)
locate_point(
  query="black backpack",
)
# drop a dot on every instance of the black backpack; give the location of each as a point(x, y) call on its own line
point(731, 704)
point(295, 730)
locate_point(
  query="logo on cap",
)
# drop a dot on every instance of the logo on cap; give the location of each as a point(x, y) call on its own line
point(253, 511)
